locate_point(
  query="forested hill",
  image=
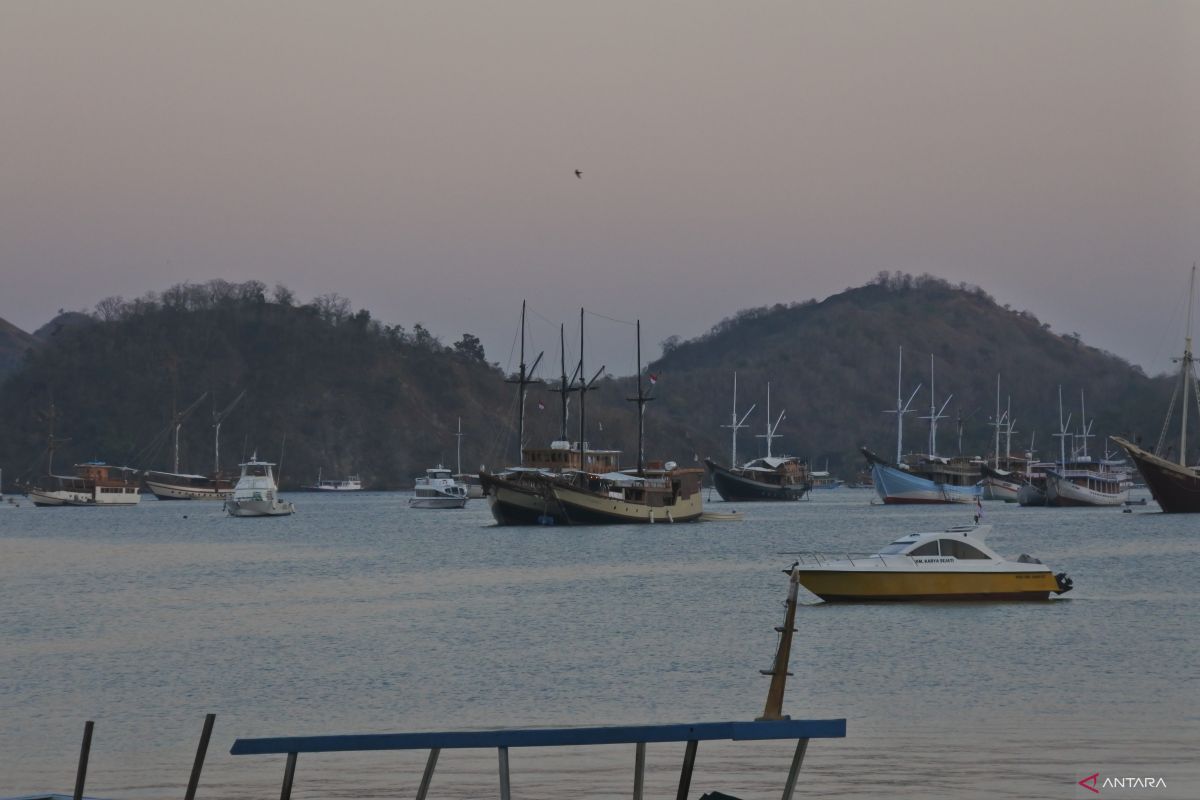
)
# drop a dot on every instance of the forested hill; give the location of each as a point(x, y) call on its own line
point(349, 393)
point(14, 343)
point(832, 366)
point(353, 395)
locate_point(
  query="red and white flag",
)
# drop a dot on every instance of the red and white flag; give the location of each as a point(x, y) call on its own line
point(541, 406)
point(653, 378)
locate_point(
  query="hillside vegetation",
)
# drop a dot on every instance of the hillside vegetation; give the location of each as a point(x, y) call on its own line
point(352, 395)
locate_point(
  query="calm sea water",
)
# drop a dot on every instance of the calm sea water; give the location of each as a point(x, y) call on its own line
point(358, 614)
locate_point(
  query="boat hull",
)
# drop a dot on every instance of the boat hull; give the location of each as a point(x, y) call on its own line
point(50, 498)
point(437, 502)
point(258, 508)
point(739, 489)
point(587, 508)
point(895, 487)
point(515, 503)
point(168, 491)
point(1062, 492)
point(1031, 495)
point(1176, 488)
point(849, 586)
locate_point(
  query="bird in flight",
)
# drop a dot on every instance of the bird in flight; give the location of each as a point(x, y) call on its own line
point(579, 173)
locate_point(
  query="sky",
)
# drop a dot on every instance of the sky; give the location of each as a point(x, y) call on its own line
point(419, 158)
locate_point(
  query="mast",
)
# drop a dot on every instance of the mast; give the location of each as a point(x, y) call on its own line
point(1009, 430)
point(584, 388)
point(770, 434)
point(1062, 431)
point(934, 413)
point(996, 424)
point(736, 423)
point(458, 436)
point(565, 386)
point(1186, 372)
point(523, 379)
point(902, 408)
point(641, 400)
point(217, 420)
point(1085, 427)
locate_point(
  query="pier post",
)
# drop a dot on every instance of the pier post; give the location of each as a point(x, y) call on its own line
point(685, 776)
point(794, 771)
point(289, 772)
point(84, 750)
point(201, 750)
point(427, 776)
point(639, 769)
point(505, 792)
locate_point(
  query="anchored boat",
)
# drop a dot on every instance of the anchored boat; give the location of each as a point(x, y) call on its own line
point(437, 488)
point(256, 494)
point(954, 564)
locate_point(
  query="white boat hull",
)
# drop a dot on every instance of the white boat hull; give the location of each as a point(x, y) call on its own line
point(272, 507)
point(996, 489)
point(65, 497)
point(437, 502)
point(166, 491)
point(1062, 492)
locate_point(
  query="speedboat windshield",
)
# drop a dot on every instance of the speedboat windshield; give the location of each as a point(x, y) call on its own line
point(896, 548)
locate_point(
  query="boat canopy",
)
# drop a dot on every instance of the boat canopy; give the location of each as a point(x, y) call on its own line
point(963, 542)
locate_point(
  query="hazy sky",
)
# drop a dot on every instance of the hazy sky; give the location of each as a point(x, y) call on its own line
point(419, 157)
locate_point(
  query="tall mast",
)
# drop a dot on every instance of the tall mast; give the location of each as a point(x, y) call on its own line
point(902, 408)
point(1062, 431)
point(565, 386)
point(217, 420)
point(458, 436)
point(641, 400)
point(934, 413)
point(996, 423)
point(1009, 430)
point(770, 434)
point(1186, 372)
point(735, 423)
point(1085, 427)
point(523, 380)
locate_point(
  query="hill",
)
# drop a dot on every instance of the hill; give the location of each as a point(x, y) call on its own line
point(354, 395)
point(14, 343)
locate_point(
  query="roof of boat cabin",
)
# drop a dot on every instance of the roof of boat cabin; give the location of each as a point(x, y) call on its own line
point(965, 532)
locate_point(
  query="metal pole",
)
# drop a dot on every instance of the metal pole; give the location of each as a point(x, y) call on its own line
point(685, 776)
point(289, 772)
point(505, 792)
point(427, 777)
point(84, 750)
point(794, 772)
point(639, 770)
point(201, 750)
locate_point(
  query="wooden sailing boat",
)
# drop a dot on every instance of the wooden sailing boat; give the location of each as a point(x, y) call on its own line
point(768, 478)
point(93, 483)
point(182, 486)
point(521, 495)
point(651, 493)
point(1083, 480)
point(1175, 485)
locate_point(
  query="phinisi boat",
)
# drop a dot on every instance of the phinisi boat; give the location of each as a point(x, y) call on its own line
point(1081, 480)
point(256, 494)
point(1174, 484)
point(521, 495)
point(768, 478)
point(650, 493)
point(1002, 479)
point(954, 564)
point(177, 485)
point(922, 478)
point(93, 484)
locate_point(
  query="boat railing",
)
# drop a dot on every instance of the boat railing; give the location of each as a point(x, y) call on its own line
point(821, 557)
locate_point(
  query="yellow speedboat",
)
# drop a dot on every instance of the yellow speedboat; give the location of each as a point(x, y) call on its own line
point(953, 564)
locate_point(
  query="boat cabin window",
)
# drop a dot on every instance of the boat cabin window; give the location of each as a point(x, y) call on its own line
point(927, 549)
point(960, 549)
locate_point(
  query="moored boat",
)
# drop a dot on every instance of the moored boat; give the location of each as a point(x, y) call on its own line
point(666, 494)
point(954, 564)
point(351, 483)
point(93, 484)
point(256, 494)
point(437, 488)
point(176, 485)
point(1175, 485)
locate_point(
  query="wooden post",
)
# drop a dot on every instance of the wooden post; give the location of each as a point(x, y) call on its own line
point(639, 770)
point(427, 777)
point(84, 750)
point(685, 776)
point(201, 750)
point(505, 792)
point(779, 671)
point(289, 772)
point(794, 771)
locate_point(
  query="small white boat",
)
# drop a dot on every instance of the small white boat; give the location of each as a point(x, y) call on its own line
point(954, 564)
point(437, 488)
point(351, 484)
point(256, 494)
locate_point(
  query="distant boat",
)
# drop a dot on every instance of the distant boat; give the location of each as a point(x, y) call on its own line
point(768, 478)
point(438, 489)
point(1175, 485)
point(1080, 480)
point(183, 486)
point(922, 478)
point(256, 494)
point(93, 484)
point(350, 484)
point(822, 479)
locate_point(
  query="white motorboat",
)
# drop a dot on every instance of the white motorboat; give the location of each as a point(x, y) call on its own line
point(256, 494)
point(437, 488)
point(351, 484)
point(954, 564)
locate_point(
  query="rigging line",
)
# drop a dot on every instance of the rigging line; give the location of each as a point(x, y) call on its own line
point(610, 319)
